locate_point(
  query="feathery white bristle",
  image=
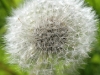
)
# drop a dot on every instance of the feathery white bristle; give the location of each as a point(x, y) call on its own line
point(45, 34)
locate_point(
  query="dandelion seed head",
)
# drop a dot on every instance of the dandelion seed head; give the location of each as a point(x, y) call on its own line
point(50, 36)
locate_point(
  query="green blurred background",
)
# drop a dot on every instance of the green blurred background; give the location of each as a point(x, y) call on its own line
point(93, 64)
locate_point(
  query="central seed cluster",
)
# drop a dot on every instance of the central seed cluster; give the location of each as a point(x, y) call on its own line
point(51, 38)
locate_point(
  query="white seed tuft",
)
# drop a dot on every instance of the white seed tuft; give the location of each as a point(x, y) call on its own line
point(50, 37)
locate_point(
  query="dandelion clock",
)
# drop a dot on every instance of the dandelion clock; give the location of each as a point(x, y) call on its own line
point(50, 37)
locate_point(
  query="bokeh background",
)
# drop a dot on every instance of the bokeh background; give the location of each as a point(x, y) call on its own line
point(93, 63)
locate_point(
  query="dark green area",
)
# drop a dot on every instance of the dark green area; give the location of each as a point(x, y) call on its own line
point(93, 64)
point(5, 10)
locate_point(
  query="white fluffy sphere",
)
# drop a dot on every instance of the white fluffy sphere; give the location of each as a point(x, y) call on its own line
point(50, 37)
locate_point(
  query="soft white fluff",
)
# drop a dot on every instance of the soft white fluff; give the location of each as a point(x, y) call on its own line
point(50, 37)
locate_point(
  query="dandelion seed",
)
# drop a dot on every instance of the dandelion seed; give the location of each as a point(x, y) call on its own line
point(50, 37)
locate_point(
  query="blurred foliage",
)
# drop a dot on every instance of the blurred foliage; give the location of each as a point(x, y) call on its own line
point(5, 10)
point(93, 64)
